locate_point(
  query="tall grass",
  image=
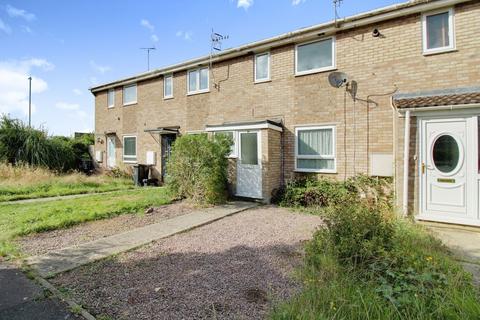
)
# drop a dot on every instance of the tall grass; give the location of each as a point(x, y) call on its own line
point(28, 182)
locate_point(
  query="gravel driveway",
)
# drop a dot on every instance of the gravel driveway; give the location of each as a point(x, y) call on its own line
point(235, 268)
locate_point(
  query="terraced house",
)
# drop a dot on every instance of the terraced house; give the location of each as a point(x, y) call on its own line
point(406, 104)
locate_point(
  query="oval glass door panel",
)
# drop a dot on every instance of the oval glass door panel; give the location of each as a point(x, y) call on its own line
point(446, 153)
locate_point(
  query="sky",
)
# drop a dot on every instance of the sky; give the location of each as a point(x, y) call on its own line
point(69, 46)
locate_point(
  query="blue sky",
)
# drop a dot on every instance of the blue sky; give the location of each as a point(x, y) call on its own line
point(68, 46)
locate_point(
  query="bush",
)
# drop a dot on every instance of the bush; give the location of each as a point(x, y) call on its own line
point(20, 144)
point(197, 168)
point(324, 192)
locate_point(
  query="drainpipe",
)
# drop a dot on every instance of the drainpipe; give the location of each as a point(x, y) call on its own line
point(394, 144)
point(406, 158)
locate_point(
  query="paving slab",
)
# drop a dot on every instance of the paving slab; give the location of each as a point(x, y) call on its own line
point(62, 260)
point(22, 298)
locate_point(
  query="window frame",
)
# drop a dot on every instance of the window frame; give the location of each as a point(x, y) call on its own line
point(123, 149)
point(317, 70)
point(136, 94)
point(109, 106)
point(268, 78)
point(451, 31)
point(234, 153)
point(333, 156)
point(198, 90)
point(170, 75)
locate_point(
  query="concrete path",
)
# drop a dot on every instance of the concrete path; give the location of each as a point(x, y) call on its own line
point(464, 243)
point(22, 299)
point(58, 261)
point(70, 196)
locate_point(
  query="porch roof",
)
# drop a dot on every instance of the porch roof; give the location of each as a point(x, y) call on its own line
point(433, 98)
point(247, 125)
point(164, 130)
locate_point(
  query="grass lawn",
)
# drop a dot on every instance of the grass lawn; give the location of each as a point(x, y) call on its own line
point(22, 219)
point(24, 182)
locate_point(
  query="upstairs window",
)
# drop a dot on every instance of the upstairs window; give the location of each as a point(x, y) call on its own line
point(130, 94)
point(315, 149)
point(262, 67)
point(438, 31)
point(168, 86)
point(315, 56)
point(198, 80)
point(129, 149)
point(111, 98)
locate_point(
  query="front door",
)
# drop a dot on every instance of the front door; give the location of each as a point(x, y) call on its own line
point(111, 151)
point(167, 142)
point(249, 165)
point(447, 169)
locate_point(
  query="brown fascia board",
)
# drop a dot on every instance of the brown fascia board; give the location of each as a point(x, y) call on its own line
point(304, 34)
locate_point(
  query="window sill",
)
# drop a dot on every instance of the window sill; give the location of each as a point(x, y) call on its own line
point(304, 73)
point(130, 161)
point(110, 107)
point(168, 98)
point(197, 92)
point(439, 51)
point(129, 104)
point(262, 81)
point(315, 171)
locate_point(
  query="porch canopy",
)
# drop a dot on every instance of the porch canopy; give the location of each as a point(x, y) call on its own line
point(248, 125)
point(437, 98)
point(164, 130)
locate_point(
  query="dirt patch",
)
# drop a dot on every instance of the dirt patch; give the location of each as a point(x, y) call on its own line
point(235, 268)
point(41, 243)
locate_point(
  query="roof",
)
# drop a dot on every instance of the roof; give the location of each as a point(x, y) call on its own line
point(300, 35)
point(247, 125)
point(444, 97)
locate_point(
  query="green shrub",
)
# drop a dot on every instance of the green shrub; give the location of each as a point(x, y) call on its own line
point(197, 168)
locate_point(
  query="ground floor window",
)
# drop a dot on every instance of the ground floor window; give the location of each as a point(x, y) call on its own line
point(233, 136)
point(129, 148)
point(315, 149)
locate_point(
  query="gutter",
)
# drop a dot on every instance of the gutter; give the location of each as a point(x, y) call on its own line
point(305, 34)
point(438, 108)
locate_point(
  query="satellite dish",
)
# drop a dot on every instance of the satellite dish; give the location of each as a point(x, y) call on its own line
point(337, 79)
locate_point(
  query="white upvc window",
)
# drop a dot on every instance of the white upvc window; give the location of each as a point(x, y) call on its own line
point(438, 29)
point(315, 149)
point(130, 149)
point(111, 98)
point(168, 86)
point(198, 80)
point(234, 136)
point(262, 67)
point(130, 94)
point(315, 56)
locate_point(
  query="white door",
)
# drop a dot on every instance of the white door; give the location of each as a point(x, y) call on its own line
point(249, 165)
point(111, 151)
point(448, 190)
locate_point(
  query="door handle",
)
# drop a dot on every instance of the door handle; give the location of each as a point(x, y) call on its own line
point(423, 168)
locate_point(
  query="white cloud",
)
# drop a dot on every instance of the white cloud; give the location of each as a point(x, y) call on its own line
point(99, 68)
point(93, 81)
point(186, 35)
point(26, 29)
point(154, 38)
point(14, 83)
point(145, 23)
point(245, 4)
point(67, 106)
point(19, 13)
point(78, 92)
point(4, 27)
point(297, 2)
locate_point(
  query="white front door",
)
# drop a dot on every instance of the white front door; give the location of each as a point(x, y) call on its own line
point(449, 191)
point(111, 151)
point(249, 165)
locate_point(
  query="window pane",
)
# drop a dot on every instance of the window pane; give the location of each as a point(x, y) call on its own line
point(168, 86)
point(437, 31)
point(315, 164)
point(111, 97)
point(314, 55)
point(192, 80)
point(130, 94)
point(315, 142)
point(204, 79)
point(228, 134)
point(129, 147)
point(249, 148)
point(261, 67)
point(446, 153)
